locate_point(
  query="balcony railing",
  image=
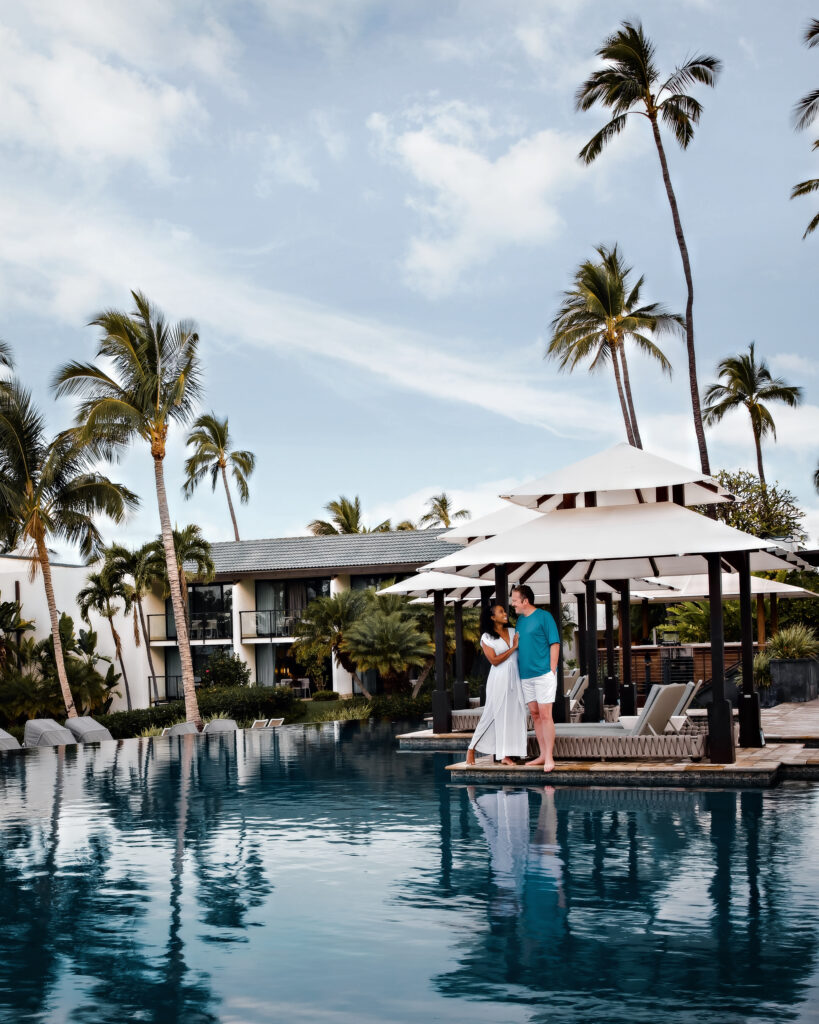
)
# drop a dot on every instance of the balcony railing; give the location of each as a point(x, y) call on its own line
point(203, 626)
point(266, 624)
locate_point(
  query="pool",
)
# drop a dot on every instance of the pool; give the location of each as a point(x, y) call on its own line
point(315, 874)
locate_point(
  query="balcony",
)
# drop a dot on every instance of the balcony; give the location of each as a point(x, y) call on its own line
point(204, 626)
point(268, 624)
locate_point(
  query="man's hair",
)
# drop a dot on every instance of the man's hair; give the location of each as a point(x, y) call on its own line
point(525, 592)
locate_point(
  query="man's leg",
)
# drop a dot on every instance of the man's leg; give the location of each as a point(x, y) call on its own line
point(534, 711)
point(547, 743)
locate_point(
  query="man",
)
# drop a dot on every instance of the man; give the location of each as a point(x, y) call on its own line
point(538, 654)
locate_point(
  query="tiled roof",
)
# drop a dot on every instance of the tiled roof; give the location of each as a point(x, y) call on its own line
point(339, 553)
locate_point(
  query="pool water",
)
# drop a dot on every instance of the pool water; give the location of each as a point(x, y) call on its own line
point(316, 874)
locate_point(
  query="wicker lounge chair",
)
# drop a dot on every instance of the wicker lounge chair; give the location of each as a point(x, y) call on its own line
point(7, 741)
point(646, 739)
point(85, 730)
point(45, 732)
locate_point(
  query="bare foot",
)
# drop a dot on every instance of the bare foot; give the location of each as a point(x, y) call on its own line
point(508, 760)
point(538, 760)
point(548, 766)
point(470, 756)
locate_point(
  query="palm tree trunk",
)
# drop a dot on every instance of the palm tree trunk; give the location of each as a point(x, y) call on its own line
point(151, 669)
point(758, 443)
point(191, 704)
point(422, 678)
point(59, 659)
point(626, 419)
point(638, 441)
point(699, 430)
point(230, 503)
point(118, 652)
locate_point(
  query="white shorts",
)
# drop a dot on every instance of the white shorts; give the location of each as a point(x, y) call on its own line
point(540, 688)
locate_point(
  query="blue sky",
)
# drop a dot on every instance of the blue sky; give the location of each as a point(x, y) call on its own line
point(371, 209)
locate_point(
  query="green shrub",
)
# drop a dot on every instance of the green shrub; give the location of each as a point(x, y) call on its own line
point(794, 642)
point(762, 669)
point(225, 668)
point(325, 695)
point(401, 706)
point(239, 702)
point(346, 711)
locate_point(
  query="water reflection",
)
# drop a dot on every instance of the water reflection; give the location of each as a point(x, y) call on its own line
point(315, 872)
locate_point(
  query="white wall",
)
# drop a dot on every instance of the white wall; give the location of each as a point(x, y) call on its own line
point(342, 679)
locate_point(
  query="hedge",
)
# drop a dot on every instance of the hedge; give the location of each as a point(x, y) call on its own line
point(239, 702)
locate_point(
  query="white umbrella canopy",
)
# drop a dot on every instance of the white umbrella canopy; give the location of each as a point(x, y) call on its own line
point(693, 588)
point(502, 519)
point(621, 475)
point(616, 542)
point(425, 583)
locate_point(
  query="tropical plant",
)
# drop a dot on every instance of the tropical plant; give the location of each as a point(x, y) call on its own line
point(225, 668)
point(794, 642)
point(322, 628)
point(12, 628)
point(424, 614)
point(193, 559)
point(99, 594)
point(50, 490)
point(345, 517)
point(598, 315)
point(746, 383)
point(763, 510)
point(629, 83)
point(141, 568)
point(212, 456)
point(804, 114)
point(762, 669)
point(692, 620)
point(147, 377)
point(441, 513)
point(388, 642)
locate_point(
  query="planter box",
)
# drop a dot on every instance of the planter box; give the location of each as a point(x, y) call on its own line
point(794, 681)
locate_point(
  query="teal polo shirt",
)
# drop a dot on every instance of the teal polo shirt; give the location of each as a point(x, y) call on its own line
point(537, 633)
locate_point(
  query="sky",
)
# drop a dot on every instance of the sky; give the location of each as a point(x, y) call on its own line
point(371, 209)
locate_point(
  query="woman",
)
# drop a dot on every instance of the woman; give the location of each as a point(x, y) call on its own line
point(502, 728)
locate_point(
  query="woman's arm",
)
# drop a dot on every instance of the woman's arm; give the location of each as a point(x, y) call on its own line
point(497, 659)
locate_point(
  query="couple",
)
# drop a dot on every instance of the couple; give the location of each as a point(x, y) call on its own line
point(523, 673)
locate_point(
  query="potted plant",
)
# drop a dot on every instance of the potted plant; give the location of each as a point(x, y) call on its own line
point(793, 665)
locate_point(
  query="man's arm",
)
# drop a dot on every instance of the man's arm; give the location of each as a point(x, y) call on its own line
point(554, 651)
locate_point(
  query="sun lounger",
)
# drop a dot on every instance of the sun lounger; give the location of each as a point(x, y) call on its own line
point(260, 723)
point(678, 715)
point(577, 691)
point(7, 741)
point(274, 723)
point(45, 732)
point(220, 725)
point(85, 730)
point(181, 729)
point(645, 739)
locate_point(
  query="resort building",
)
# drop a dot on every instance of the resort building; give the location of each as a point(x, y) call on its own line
point(259, 592)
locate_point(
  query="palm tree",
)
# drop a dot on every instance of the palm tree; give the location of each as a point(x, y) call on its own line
point(322, 628)
point(629, 83)
point(50, 491)
point(345, 517)
point(191, 550)
point(100, 592)
point(598, 315)
point(210, 441)
point(746, 382)
point(441, 512)
point(147, 377)
point(142, 567)
point(804, 115)
point(387, 641)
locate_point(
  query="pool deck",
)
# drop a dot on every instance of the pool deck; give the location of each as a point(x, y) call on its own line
point(791, 752)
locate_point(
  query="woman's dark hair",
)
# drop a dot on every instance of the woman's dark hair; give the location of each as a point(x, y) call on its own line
point(487, 623)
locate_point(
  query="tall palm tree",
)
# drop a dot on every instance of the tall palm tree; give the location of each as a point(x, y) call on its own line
point(147, 377)
point(599, 313)
point(629, 83)
point(804, 114)
point(49, 490)
point(212, 455)
point(744, 382)
point(141, 568)
point(345, 517)
point(100, 592)
point(441, 513)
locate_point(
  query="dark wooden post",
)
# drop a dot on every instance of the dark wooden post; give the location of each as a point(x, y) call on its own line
point(460, 692)
point(750, 722)
point(557, 570)
point(581, 633)
point(628, 692)
point(610, 687)
point(593, 697)
point(720, 714)
point(441, 708)
point(502, 586)
point(774, 614)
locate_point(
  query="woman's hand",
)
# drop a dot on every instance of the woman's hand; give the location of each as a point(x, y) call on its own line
point(515, 640)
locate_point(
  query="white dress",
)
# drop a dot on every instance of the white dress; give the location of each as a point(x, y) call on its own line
point(502, 727)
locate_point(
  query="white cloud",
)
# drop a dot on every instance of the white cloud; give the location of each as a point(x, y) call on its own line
point(333, 139)
point(331, 23)
point(478, 500)
point(473, 203)
point(72, 104)
point(284, 161)
point(792, 362)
